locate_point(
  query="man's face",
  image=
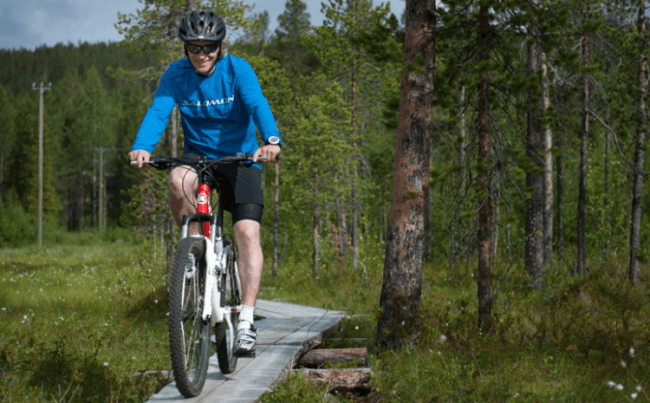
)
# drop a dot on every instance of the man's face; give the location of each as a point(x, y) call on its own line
point(203, 63)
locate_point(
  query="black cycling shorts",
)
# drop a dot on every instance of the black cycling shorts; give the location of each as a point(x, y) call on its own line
point(241, 190)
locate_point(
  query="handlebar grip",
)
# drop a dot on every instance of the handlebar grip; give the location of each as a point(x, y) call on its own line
point(135, 163)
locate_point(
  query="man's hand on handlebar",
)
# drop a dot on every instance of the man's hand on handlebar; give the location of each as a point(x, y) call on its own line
point(139, 156)
point(269, 151)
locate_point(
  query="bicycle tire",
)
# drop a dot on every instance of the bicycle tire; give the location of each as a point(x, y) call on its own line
point(230, 297)
point(189, 335)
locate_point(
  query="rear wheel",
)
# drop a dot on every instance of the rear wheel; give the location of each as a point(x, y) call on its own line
point(189, 335)
point(225, 332)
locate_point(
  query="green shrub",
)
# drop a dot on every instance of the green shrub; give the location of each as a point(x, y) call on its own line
point(17, 228)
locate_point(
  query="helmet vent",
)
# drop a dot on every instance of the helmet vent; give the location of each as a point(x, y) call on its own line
point(202, 25)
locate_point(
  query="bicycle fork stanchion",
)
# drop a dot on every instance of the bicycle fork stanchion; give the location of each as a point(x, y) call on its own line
point(213, 263)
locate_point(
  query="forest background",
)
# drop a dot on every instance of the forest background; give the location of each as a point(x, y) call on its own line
point(566, 100)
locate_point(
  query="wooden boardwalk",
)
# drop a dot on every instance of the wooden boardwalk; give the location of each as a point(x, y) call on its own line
point(287, 331)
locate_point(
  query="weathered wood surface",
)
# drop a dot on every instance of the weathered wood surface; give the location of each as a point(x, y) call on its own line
point(318, 357)
point(339, 380)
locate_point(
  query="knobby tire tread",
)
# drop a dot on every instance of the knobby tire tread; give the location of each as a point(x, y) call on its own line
point(230, 296)
point(189, 387)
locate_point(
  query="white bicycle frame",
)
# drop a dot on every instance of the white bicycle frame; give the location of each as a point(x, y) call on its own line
point(215, 262)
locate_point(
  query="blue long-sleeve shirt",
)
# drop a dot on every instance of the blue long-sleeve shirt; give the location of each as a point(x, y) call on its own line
point(219, 112)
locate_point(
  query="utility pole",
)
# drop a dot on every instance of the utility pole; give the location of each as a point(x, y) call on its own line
point(101, 191)
point(41, 90)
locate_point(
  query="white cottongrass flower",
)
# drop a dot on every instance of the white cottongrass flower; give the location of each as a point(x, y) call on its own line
point(611, 384)
point(634, 395)
point(619, 387)
point(623, 364)
point(106, 364)
point(632, 350)
point(638, 388)
point(4, 309)
point(442, 339)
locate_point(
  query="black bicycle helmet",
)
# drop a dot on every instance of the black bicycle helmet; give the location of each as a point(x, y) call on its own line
point(202, 25)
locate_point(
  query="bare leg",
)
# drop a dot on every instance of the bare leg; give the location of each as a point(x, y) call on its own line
point(182, 194)
point(251, 259)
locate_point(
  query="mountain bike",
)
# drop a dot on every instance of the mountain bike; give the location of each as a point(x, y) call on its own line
point(205, 287)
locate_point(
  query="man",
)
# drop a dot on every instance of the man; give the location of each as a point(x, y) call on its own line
point(221, 103)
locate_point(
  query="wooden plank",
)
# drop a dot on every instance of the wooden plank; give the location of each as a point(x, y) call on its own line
point(352, 380)
point(318, 357)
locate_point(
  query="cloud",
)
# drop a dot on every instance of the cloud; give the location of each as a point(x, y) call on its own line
point(32, 23)
point(14, 32)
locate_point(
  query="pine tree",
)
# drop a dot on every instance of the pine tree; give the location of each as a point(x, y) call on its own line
point(347, 48)
point(639, 153)
point(402, 285)
point(7, 134)
point(534, 149)
point(293, 25)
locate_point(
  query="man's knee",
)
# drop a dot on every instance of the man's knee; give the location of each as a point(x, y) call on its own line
point(248, 231)
point(181, 181)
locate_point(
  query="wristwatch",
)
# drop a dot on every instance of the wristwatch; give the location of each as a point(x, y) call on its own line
point(274, 140)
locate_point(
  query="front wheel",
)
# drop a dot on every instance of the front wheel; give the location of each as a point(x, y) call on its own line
point(226, 331)
point(189, 335)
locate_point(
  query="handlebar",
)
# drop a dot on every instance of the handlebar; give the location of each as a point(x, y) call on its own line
point(195, 160)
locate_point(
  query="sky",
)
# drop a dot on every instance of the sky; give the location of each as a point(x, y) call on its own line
point(32, 23)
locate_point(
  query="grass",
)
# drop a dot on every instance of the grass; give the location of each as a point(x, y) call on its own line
point(79, 321)
point(578, 340)
point(81, 318)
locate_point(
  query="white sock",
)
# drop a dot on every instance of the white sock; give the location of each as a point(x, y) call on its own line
point(247, 313)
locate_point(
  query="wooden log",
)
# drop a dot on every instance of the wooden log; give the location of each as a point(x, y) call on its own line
point(318, 357)
point(352, 380)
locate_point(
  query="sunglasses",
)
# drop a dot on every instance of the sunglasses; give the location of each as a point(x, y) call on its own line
point(207, 49)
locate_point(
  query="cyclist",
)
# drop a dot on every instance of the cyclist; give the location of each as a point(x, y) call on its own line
point(221, 103)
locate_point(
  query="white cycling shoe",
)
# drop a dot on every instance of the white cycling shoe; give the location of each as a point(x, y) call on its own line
point(246, 337)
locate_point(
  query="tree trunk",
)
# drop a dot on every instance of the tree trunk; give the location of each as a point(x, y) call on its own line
point(317, 358)
point(402, 283)
point(639, 154)
point(484, 208)
point(584, 135)
point(345, 382)
point(80, 202)
point(2, 169)
point(608, 224)
point(534, 257)
point(172, 32)
point(427, 220)
point(559, 190)
point(462, 144)
point(548, 169)
point(276, 218)
point(173, 133)
point(355, 192)
point(316, 252)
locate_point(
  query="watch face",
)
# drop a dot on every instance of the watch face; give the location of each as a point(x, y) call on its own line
point(274, 140)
